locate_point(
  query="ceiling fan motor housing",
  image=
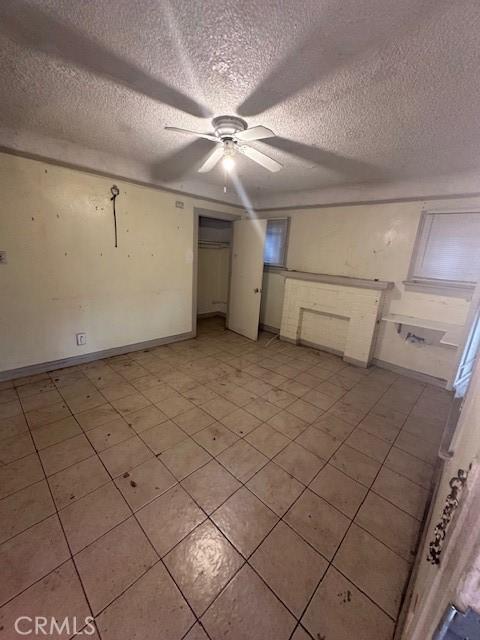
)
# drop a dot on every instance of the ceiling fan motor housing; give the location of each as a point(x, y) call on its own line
point(228, 126)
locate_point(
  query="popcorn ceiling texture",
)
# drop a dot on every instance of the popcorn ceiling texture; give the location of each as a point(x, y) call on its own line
point(362, 91)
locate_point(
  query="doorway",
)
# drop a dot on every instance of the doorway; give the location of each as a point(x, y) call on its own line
point(213, 269)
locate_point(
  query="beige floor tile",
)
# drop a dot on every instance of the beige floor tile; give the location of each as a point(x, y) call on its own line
point(59, 595)
point(280, 397)
point(169, 518)
point(210, 486)
point(248, 610)
point(339, 490)
point(194, 420)
point(109, 434)
point(295, 388)
point(400, 491)
point(301, 634)
point(373, 568)
point(10, 409)
point(318, 399)
point(244, 520)
point(239, 396)
point(275, 487)
point(78, 387)
point(118, 390)
point(144, 483)
point(339, 611)
point(219, 407)
point(40, 400)
point(14, 426)
point(31, 389)
point(334, 426)
point(395, 528)
point(242, 460)
point(318, 523)
point(130, 403)
point(305, 410)
point(417, 447)
point(112, 563)
point(357, 465)
point(379, 427)
point(196, 633)
point(153, 607)
point(318, 442)
point(16, 447)
point(267, 440)
point(288, 424)
point(87, 519)
point(55, 432)
point(125, 456)
point(199, 394)
point(370, 445)
point(174, 405)
point(299, 462)
point(215, 438)
point(202, 564)
point(290, 567)
point(185, 458)
point(241, 422)
point(25, 508)
point(96, 417)
point(19, 474)
point(45, 547)
point(347, 412)
point(85, 401)
point(77, 480)
point(390, 415)
point(163, 436)
point(262, 409)
point(145, 418)
point(41, 417)
point(10, 394)
point(412, 468)
point(64, 454)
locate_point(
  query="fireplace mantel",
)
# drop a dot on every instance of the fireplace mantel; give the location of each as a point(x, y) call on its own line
point(344, 281)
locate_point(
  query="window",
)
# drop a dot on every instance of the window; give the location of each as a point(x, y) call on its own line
point(275, 252)
point(447, 249)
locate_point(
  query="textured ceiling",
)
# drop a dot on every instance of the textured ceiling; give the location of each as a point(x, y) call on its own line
point(358, 91)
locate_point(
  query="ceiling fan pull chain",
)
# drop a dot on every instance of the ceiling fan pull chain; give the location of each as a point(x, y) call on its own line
point(114, 191)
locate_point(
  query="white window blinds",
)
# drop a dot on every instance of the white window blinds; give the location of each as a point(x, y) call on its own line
point(448, 248)
point(276, 242)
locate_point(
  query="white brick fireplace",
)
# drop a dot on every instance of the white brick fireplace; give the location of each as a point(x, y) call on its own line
point(334, 312)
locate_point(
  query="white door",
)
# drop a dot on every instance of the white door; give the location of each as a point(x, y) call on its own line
point(246, 277)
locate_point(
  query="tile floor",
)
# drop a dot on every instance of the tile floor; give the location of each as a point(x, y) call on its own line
point(214, 488)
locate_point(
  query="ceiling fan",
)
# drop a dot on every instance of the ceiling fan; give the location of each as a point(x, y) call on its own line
point(230, 134)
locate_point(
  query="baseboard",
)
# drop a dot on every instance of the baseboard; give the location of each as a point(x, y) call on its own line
point(269, 329)
point(410, 373)
point(52, 365)
point(211, 314)
point(313, 345)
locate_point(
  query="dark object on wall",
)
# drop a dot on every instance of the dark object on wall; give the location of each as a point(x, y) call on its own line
point(457, 483)
point(456, 625)
point(115, 192)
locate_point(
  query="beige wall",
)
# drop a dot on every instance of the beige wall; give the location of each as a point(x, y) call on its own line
point(213, 279)
point(64, 274)
point(372, 241)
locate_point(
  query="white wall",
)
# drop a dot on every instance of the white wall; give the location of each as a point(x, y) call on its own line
point(64, 274)
point(213, 279)
point(372, 241)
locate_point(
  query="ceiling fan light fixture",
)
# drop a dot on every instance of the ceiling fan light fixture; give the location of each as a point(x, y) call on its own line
point(228, 163)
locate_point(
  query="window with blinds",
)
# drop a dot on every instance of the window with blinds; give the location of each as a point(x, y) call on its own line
point(276, 242)
point(447, 248)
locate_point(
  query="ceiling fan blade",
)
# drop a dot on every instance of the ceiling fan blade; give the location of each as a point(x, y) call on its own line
point(255, 133)
point(207, 136)
point(260, 158)
point(212, 159)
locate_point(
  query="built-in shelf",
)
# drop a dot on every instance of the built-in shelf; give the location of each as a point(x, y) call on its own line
point(344, 281)
point(452, 332)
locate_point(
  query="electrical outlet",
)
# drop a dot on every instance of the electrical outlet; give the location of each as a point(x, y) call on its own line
point(3, 257)
point(81, 339)
point(179, 204)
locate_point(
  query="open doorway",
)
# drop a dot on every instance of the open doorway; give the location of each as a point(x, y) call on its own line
point(213, 273)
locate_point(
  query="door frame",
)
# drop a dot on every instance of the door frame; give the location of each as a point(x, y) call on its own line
point(199, 212)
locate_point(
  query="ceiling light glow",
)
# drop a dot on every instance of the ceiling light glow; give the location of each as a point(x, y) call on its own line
point(228, 163)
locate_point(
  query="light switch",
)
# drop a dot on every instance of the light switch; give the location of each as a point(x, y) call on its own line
point(3, 257)
point(81, 339)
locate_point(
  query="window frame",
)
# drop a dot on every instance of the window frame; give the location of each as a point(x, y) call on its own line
point(283, 264)
point(412, 277)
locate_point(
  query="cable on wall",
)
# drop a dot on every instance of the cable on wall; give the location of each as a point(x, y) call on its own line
point(115, 192)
